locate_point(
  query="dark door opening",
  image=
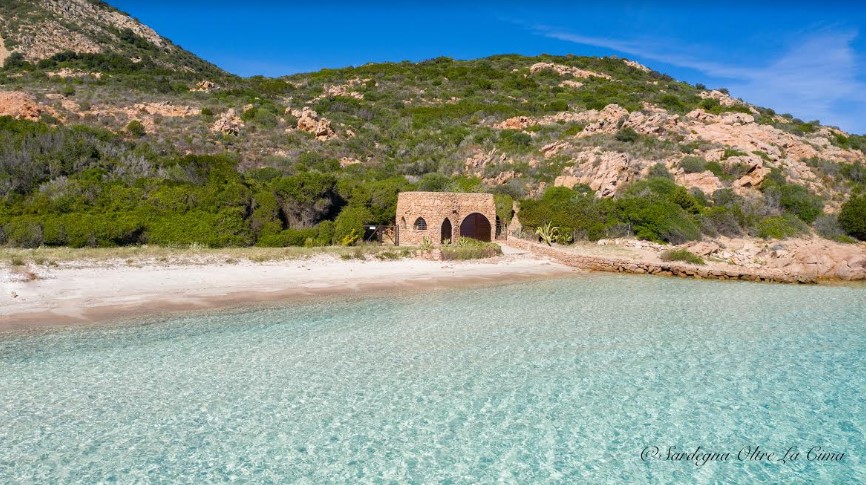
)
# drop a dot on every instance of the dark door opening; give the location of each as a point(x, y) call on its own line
point(476, 226)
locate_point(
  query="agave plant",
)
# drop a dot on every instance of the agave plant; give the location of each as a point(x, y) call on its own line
point(426, 244)
point(548, 233)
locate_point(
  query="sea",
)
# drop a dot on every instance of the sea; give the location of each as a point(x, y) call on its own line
point(591, 378)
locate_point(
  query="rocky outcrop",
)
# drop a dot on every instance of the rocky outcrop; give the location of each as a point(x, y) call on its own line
point(813, 258)
point(346, 89)
point(568, 83)
point(310, 122)
point(705, 181)
point(229, 123)
point(67, 73)
point(607, 121)
point(204, 87)
point(563, 70)
point(22, 106)
point(756, 174)
point(683, 270)
point(4, 53)
point(347, 161)
point(722, 98)
point(636, 65)
point(164, 108)
point(603, 171)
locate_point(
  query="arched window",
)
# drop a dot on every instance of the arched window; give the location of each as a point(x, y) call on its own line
point(403, 222)
point(420, 224)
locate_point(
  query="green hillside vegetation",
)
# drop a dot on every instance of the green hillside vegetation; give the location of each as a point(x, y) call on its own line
point(101, 181)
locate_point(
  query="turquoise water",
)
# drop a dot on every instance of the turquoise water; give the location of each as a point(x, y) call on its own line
point(564, 380)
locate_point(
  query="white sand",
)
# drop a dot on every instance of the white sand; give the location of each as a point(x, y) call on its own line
point(89, 294)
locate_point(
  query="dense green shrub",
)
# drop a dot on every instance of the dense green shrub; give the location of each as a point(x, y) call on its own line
point(136, 128)
point(802, 203)
point(657, 219)
point(828, 227)
point(852, 217)
point(781, 227)
point(349, 225)
point(627, 135)
point(480, 250)
point(681, 255)
point(721, 220)
point(693, 164)
point(659, 170)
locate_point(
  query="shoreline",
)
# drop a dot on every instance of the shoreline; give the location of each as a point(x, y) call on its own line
point(88, 295)
point(643, 258)
point(80, 291)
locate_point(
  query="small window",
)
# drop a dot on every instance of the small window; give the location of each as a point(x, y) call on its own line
point(420, 224)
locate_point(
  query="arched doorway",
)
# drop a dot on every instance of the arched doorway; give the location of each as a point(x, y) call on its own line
point(447, 231)
point(476, 226)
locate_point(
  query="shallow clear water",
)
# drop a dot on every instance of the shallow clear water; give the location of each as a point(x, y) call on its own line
point(551, 381)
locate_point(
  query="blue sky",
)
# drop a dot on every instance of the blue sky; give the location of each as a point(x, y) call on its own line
point(808, 59)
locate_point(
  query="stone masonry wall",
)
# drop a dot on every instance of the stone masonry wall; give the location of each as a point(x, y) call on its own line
point(434, 208)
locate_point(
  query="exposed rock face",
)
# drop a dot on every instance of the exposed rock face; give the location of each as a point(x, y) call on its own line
point(165, 108)
point(568, 83)
point(651, 121)
point(22, 106)
point(346, 161)
point(204, 87)
point(516, 123)
point(603, 171)
point(562, 70)
point(229, 123)
point(344, 90)
point(39, 29)
point(722, 98)
point(816, 258)
point(756, 174)
point(309, 121)
point(67, 73)
point(636, 65)
point(705, 181)
point(4, 53)
point(607, 121)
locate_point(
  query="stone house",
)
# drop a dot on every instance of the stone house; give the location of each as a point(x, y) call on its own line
point(441, 217)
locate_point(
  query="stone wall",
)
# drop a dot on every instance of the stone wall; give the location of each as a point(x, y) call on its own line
point(436, 207)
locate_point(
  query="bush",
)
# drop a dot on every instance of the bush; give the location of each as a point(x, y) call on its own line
point(136, 128)
point(693, 164)
point(682, 255)
point(349, 225)
point(722, 220)
point(852, 217)
point(799, 201)
point(655, 219)
point(627, 135)
point(828, 227)
point(513, 139)
point(781, 227)
point(471, 251)
point(659, 170)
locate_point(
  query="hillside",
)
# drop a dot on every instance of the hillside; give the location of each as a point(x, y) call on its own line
point(181, 152)
point(52, 30)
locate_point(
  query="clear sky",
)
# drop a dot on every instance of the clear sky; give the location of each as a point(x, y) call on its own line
point(808, 59)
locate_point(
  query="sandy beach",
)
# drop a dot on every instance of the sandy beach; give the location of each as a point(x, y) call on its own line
point(88, 293)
